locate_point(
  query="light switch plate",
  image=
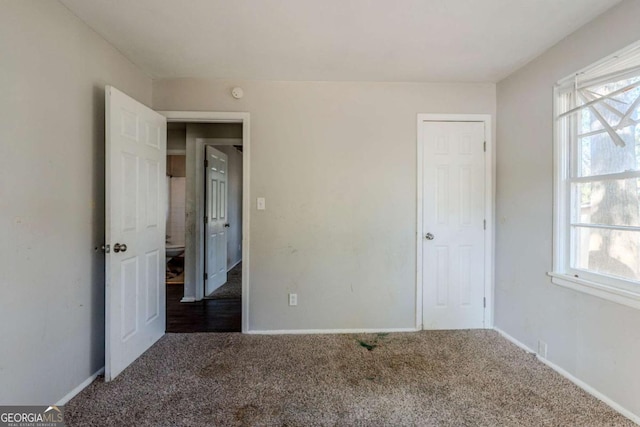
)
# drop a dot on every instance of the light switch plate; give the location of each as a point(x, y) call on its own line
point(262, 204)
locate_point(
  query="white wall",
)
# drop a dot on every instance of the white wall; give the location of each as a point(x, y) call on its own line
point(234, 204)
point(595, 340)
point(336, 163)
point(53, 70)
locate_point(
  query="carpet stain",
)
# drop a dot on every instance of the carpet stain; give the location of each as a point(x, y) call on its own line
point(375, 343)
point(247, 415)
point(368, 346)
point(216, 369)
point(411, 362)
point(429, 378)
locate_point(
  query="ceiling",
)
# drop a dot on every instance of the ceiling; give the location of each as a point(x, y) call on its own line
point(335, 40)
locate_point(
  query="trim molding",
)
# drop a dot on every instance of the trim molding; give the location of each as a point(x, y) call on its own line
point(223, 117)
point(176, 152)
point(514, 341)
point(73, 393)
point(583, 385)
point(221, 141)
point(600, 290)
point(329, 331)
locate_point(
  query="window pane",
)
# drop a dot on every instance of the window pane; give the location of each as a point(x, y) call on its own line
point(609, 130)
point(599, 155)
point(610, 202)
point(611, 252)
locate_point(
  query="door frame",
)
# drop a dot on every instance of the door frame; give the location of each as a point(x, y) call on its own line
point(221, 117)
point(489, 204)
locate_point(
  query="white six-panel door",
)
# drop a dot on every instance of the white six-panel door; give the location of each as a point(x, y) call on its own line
point(216, 219)
point(135, 229)
point(453, 222)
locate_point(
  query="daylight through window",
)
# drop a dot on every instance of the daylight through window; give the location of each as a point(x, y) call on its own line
point(597, 235)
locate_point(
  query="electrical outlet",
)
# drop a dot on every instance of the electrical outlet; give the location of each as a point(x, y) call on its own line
point(542, 349)
point(293, 299)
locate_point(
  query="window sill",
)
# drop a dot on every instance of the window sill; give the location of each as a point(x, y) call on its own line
point(610, 293)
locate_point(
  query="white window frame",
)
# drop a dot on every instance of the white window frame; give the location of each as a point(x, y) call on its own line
point(611, 288)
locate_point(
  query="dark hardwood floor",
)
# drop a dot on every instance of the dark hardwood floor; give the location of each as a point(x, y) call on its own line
point(221, 315)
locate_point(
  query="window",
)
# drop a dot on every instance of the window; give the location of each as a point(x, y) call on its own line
point(597, 178)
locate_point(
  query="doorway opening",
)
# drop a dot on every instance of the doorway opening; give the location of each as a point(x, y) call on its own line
point(205, 224)
point(176, 203)
point(136, 211)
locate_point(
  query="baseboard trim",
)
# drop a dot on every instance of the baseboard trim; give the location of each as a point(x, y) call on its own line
point(586, 387)
point(328, 331)
point(80, 387)
point(514, 341)
point(188, 299)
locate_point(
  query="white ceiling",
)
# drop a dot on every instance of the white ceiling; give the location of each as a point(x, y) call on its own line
point(335, 40)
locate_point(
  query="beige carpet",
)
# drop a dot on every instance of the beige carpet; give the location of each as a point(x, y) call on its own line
point(435, 378)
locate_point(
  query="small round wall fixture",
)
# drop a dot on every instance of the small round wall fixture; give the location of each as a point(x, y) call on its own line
point(237, 92)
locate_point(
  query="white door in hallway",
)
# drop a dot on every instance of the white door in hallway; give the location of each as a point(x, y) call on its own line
point(135, 149)
point(453, 249)
point(216, 221)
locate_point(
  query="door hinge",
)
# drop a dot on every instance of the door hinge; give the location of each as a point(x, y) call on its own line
point(206, 163)
point(206, 276)
point(484, 146)
point(484, 302)
point(484, 224)
point(206, 219)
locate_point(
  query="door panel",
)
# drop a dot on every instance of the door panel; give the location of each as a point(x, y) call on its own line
point(154, 264)
point(135, 148)
point(129, 303)
point(154, 180)
point(223, 200)
point(216, 208)
point(453, 259)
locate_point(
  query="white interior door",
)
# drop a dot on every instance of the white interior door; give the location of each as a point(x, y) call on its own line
point(135, 168)
point(453, 242)
point(216, 219)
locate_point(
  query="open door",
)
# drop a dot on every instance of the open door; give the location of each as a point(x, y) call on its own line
point(135, 311)
point(216, 219)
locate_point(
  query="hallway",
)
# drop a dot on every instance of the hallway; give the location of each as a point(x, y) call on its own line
point(222, 312)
